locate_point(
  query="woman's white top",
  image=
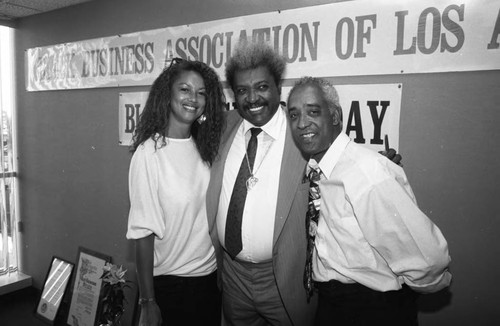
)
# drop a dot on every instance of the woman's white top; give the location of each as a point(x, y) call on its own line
point(167, 188)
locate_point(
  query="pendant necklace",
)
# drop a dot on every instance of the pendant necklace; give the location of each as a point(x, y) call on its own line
point(252, 180)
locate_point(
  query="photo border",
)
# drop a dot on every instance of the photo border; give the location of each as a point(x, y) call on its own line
point(39, 313)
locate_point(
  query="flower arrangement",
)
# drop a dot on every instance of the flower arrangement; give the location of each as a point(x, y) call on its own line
point(112, 295)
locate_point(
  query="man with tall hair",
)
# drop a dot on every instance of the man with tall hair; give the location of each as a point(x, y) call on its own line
point(372, 248)
point(256, 200)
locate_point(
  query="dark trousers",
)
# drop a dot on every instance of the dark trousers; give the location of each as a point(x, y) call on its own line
point(251, 296)
point(188, 300)
point(356, 305)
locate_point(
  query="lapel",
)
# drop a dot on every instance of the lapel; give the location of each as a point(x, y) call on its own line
point(232, 123)
point(291, 175)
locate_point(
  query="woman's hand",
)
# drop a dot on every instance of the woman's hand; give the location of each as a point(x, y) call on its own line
point(150, 314)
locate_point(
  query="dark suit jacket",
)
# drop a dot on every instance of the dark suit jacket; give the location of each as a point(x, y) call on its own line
point(289, 242)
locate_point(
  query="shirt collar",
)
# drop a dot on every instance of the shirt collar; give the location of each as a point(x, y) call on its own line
point(333, 154)
point(272, 127)
point(311, 164)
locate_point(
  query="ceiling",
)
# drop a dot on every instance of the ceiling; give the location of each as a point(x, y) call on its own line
point(11, 10)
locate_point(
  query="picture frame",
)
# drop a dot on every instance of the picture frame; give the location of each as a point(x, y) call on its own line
point(86, 288)
point(54, 288)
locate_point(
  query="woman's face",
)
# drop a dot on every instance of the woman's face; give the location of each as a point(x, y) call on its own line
point(187, 100)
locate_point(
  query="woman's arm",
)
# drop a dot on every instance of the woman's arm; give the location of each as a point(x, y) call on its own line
point(150, 312)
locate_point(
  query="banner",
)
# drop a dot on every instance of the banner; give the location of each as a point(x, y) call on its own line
point(340, 39)
point(369, 113)
point(129, 109)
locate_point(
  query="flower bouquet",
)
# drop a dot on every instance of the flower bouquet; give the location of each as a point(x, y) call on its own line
point(112, 295)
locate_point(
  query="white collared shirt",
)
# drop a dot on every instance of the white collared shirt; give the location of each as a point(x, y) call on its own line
point(260, 205)
point(370, 229)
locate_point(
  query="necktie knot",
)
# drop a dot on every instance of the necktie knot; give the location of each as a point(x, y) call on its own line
point(255, 131)
point(314, 174)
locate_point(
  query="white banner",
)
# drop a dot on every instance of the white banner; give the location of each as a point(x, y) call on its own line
point(370, 112)
point(339, 39)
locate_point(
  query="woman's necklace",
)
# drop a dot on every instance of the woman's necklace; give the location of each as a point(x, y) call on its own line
point(252, 180)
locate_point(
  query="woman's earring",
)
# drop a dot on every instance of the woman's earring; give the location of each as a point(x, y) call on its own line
point(202, 119)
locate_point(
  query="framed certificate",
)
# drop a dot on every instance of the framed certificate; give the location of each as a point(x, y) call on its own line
point(54, 287)
point(84, 306)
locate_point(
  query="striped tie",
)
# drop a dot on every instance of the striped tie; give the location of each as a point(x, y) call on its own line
point(312, 217)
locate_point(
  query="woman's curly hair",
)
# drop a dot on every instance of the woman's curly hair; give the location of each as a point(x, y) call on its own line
point(154, 118)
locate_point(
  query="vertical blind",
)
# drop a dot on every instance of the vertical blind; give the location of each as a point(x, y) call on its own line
point(8, 176)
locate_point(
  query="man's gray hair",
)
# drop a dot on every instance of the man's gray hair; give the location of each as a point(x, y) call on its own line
point(329, 92)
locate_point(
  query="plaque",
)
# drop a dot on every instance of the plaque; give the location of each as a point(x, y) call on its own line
point(83, 310)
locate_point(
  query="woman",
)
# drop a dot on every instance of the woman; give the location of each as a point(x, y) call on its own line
point(174, 145)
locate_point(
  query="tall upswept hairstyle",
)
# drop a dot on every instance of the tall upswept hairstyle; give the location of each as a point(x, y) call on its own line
point(153, 121)
point(251, 55)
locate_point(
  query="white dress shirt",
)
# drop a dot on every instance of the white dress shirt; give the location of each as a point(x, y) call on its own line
point(370, 229)
point(260, 206)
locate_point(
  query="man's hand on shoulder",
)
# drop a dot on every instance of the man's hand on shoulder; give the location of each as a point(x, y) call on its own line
point(392, 155)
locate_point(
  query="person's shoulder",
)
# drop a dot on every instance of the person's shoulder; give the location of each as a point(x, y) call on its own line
point(233, 120)
point(363, 151)
point(150, 146)
point(371, 164)
point(232, 117)
point(362, 157)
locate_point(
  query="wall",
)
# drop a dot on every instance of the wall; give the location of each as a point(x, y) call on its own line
point(73, 174)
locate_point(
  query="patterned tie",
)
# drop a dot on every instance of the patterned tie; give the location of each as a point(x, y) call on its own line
point(232, 239)
point(312, 216)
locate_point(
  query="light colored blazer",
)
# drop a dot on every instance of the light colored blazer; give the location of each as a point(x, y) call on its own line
point(289, 242)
